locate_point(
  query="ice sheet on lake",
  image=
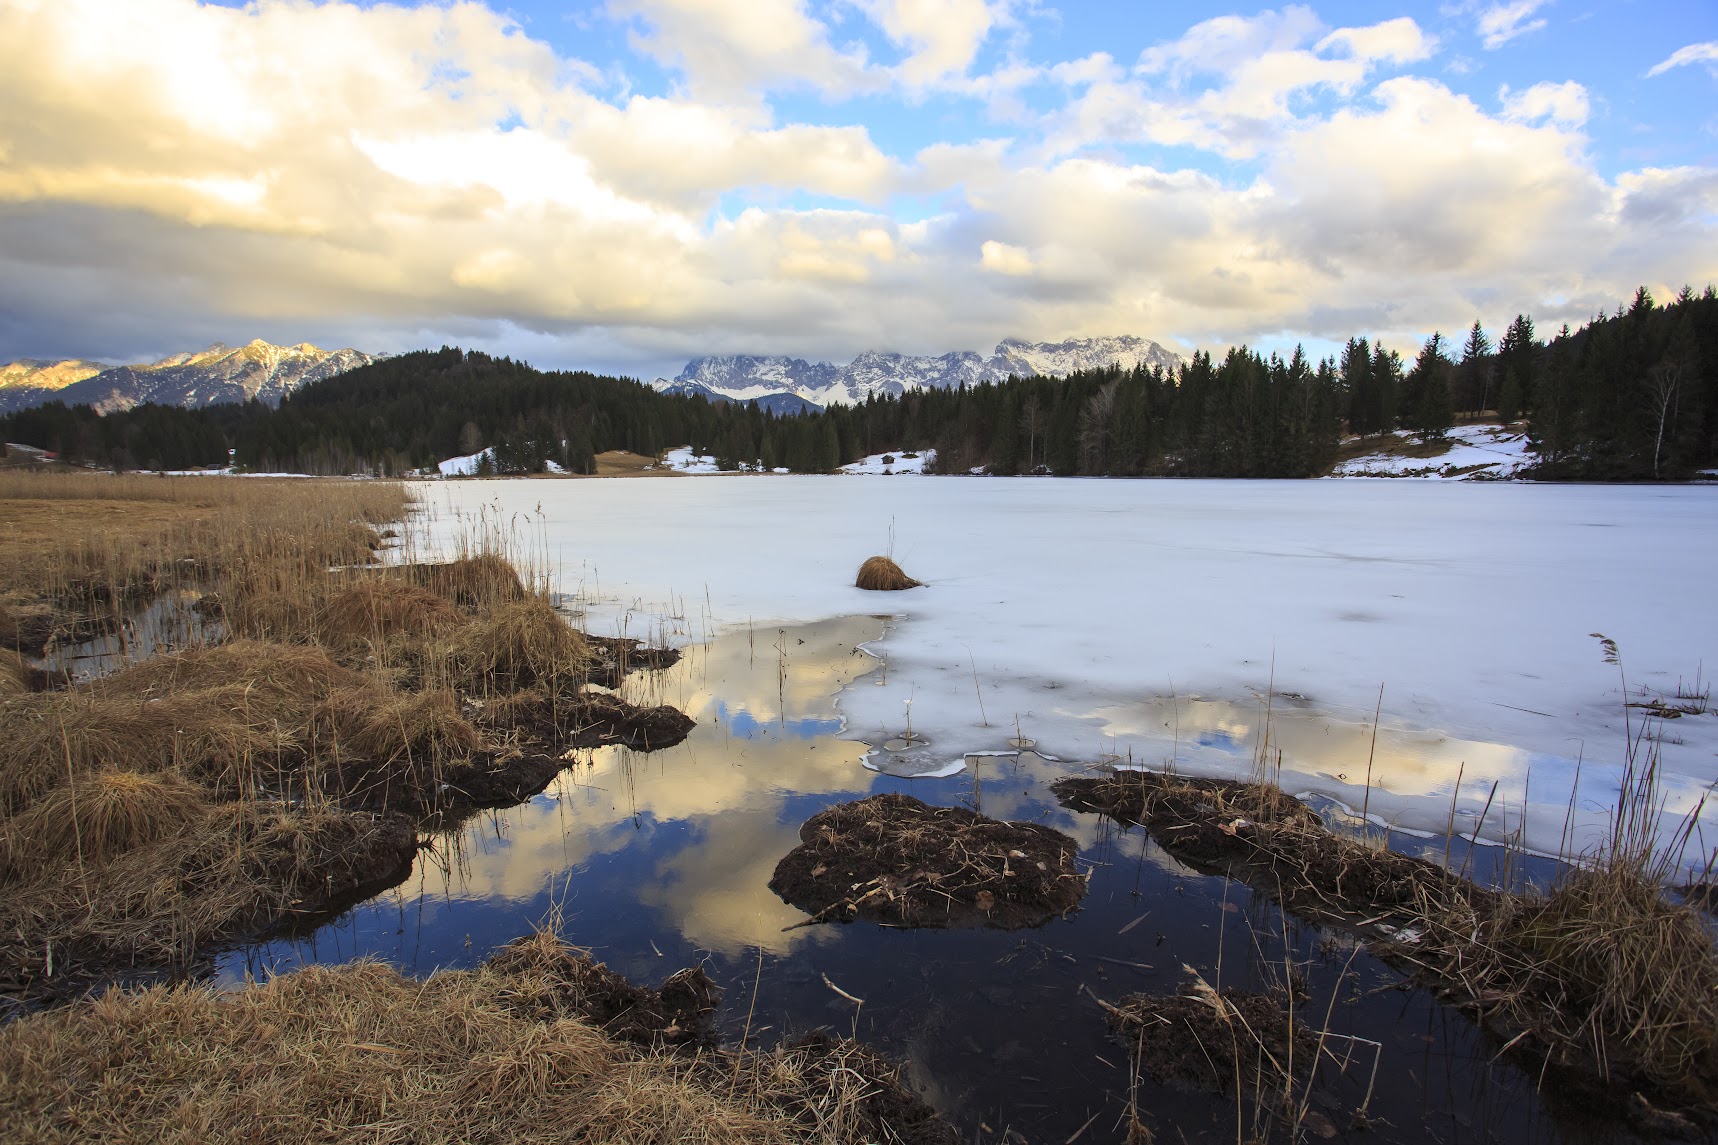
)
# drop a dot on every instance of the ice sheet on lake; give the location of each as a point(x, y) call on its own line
point(1135, 620)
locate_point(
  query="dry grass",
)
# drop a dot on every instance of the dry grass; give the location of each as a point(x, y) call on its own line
point(882, 574)
point(420, 727)
point(241, 867)
point(481, 580)
point(14, 674)
point(201, 796)
point(376, 608)
point(359, 1053)
point(521, 643)
point(98, 817)
point(81, 544)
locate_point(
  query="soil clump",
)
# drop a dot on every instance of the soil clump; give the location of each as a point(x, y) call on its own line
point(1601, 984)
point(895, 860)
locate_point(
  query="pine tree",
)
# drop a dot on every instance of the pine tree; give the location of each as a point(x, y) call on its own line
point(1430, 382)
point(1473, 381)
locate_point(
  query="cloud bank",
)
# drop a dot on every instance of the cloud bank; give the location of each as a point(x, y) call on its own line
point(391, 177)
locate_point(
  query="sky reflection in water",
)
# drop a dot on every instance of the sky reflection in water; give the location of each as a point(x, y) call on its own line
point(661, 860)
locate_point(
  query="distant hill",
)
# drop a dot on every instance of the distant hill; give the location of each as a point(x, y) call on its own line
point(773, 380)
point(220, 373)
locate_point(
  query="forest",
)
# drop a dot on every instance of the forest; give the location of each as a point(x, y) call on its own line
point(1630, 396)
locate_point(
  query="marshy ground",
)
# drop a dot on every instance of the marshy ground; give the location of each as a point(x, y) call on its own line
point(332, 722)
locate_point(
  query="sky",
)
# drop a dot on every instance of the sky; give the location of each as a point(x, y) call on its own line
point(621, 185)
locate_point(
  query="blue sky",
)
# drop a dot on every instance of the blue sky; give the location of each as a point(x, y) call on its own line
point(621, 185)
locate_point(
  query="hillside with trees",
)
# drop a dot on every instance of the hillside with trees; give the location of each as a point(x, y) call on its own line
point(1630, 396)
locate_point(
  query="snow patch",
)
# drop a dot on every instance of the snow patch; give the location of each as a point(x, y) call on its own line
point(1475, 452)
point(891, 463)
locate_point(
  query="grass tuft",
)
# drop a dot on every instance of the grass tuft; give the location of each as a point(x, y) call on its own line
point(882, 574)
point(522, 643)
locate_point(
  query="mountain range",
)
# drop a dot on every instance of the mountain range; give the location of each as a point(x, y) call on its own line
point(218, 374)
point(787, 384)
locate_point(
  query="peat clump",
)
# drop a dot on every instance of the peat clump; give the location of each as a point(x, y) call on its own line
point(1215, 1041)
point(895, 860)
point(1601, 984)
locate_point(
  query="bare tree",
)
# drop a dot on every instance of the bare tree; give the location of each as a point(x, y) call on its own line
point(1032, 421)
point(1095, 421)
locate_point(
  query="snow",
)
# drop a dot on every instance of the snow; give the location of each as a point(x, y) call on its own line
point(1476, 452)
point(683, 460)
point(1146, 621)
point(465, 466)
point(889, 463)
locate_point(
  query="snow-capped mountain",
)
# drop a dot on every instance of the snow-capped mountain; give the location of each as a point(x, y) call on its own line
point(774, 380)
point(219, 374)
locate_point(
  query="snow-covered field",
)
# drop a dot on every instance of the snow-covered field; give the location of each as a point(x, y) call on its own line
point(1476, 452)
point(890, 463)
point(1147, 620)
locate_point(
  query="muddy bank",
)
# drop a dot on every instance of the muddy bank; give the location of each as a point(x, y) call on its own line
point(540, 1044)
point(894, 860)
point(1601, 985)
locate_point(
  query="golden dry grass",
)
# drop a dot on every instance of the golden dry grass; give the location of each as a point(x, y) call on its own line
point(359, 1053)
point(375, 608)
point(480, 580)
point(100, 816)
point(90, 538)
point(14, 674)
point(881, 574)
point(239, 867)
point(521, 643)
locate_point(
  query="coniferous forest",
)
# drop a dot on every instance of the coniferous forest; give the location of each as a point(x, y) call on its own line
point(1630, 396)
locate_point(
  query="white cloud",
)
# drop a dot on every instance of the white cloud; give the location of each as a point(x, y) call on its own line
point(1001, 258)
point(1706, 53)
point(1564, 104)
point(1229, 85)
point(943, 36)
point(729, 49)
point(1503, 22)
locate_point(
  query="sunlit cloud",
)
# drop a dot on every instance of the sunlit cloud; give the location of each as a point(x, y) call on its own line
point(398, 176)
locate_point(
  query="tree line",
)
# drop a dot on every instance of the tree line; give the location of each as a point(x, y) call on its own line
point(1629, 396)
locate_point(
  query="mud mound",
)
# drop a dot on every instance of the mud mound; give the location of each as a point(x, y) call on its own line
point(894, 860)
point(559, 720)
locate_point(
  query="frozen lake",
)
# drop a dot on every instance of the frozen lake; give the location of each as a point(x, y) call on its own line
point(1147, 621)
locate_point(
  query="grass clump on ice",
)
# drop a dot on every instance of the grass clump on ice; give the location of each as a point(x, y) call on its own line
point(359, 1053)
point(882, 574)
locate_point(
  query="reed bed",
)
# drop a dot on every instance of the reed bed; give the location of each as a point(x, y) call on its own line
point(82, 545)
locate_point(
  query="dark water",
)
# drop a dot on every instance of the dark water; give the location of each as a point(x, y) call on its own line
point(659, 861)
